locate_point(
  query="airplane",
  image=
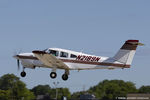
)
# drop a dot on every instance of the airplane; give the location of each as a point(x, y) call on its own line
point(57, 58)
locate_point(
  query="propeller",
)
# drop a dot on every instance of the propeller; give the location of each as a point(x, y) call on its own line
point(18, 64)
point(16, 56)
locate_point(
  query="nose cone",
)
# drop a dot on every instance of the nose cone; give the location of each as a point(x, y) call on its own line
point(38, 52)
point(16, 56)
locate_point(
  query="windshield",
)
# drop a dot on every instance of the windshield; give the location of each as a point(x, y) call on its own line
point(53, 52)
point(45, 50)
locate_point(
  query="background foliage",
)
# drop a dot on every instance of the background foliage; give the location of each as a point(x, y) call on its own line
point(12, 88)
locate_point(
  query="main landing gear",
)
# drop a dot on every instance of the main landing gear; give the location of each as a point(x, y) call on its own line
point(53, 75)
point(64, 76)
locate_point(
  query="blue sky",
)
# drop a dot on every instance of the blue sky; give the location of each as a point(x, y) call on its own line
point(94, 27)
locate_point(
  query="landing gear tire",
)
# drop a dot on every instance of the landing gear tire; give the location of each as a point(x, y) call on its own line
point(53, 75)
point(23, 74)
point(64, 77)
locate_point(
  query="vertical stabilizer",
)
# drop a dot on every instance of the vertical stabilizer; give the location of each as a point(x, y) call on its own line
point(127, 51)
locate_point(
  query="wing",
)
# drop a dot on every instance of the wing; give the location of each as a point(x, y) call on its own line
point(50, 60)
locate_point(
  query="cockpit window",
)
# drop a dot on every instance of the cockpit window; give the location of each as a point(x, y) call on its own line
point(73, 56)
point(53, 52)
point(63, 54)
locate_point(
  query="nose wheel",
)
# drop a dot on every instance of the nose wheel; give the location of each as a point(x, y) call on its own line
point(53, 75)
point(23, 74)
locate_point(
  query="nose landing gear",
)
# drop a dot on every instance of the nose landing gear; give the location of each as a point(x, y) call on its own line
point(23, 74)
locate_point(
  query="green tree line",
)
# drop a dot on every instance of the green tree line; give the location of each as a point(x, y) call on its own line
point(12, 88)
point(110, 89)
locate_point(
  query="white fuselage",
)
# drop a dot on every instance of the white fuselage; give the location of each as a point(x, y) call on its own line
point(81, 62)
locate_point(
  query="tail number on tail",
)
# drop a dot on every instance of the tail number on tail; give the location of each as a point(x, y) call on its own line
point(88, 58)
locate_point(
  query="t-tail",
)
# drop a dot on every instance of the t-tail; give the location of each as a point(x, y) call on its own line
point(127, 51)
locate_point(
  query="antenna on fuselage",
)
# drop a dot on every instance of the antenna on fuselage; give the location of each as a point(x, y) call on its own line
point(81, 51)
